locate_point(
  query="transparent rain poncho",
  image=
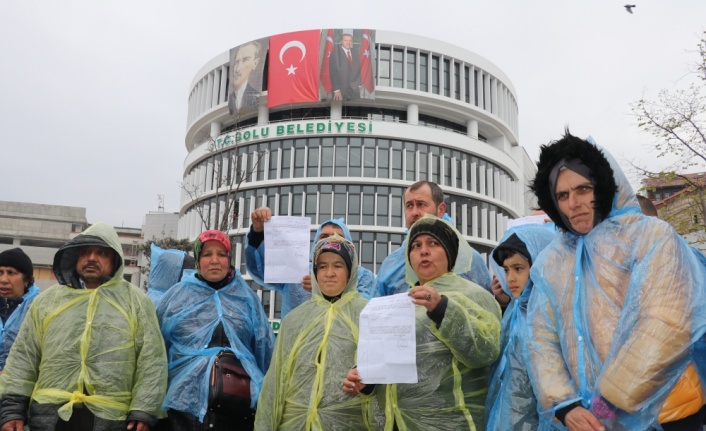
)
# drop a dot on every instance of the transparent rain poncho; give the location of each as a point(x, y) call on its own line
point(189, 313)
point(294, 294)
point(316, 347)
point(9, 330)
point(100, 347)
point(511, 404)
point(453, 360)
point(391, 276)
point(616, 313)
point(165, 270)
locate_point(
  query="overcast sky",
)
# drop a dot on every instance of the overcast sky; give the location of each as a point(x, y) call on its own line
point(94, 93)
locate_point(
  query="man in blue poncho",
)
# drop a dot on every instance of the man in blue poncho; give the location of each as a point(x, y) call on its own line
point(423, 197)
point(618, 312)
point(294, 294)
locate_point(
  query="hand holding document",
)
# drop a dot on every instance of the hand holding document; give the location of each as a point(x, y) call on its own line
point(287, 249)
point(387, 347)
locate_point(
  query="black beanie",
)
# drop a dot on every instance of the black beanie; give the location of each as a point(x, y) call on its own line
point(514, 244)
point(16, 258)
point(439, 230)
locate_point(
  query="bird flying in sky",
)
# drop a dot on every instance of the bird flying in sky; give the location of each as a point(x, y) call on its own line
point(629, 7)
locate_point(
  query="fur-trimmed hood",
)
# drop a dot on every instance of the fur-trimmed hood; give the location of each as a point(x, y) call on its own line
point(604, 171)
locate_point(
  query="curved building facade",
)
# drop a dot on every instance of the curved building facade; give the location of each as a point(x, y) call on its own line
point(440, 113)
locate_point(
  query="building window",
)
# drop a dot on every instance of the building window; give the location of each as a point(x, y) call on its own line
point(353, 205)
point(423, 72)
point(435, 74)
point(457, 81)
point(397, 68)
point(447, 78)
point(384, 68)
point(327, 157)
point(355, 157)
point(411, 70)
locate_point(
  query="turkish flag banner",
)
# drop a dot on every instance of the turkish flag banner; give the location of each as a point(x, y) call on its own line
point(366, 66)
point(293, 75)
point(325, 68)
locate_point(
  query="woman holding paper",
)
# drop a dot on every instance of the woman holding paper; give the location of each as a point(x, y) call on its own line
point(315, 348)
point(457, 336)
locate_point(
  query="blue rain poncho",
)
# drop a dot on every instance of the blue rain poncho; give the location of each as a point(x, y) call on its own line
point(189, 313)
point(294, 294)
point(616, 313)
point(8, 330)
point(453, 360)
point(316, 347)
point(511, 404)
point(100, 347)
point(166, 268)
point(391, 276)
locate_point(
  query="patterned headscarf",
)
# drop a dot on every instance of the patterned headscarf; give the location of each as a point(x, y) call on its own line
point(221, 238)
point(338, 245)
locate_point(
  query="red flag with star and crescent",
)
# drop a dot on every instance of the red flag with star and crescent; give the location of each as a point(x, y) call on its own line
point(366, 66)
point(325, 71)
point(293, 75)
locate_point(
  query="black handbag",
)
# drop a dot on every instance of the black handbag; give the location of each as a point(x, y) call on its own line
point(229, 388)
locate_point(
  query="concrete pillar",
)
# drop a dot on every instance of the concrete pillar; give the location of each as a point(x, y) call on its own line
point(336, 109)
point(472, 129)
point(216, 127)
point(263, 113)
point(413, 114)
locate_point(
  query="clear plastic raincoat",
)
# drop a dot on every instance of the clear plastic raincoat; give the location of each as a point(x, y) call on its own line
point(100, 347)
point(511, 404)
point(453, 360)
point(616, 313)
point(292, 293)
point(189, 313)
point(9, 330)
point(166, 268)
point(316, 347)
point(391, 276)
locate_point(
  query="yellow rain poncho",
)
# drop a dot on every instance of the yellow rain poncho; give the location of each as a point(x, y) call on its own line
point(101, 347)
point(453, 360)
point(315, 349)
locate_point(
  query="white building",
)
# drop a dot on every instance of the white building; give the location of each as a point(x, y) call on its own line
point(441, 113)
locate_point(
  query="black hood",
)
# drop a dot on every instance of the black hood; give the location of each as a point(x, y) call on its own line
point(65, 259)
point(572, 147)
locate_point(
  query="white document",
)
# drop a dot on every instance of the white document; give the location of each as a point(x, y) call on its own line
point(287, 247)
point(387, 347)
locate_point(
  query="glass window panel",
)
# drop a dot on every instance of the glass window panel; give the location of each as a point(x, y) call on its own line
point(423, 72)
point(311, 199)
point(274, 155)
point(411, 163)
point(339, 201)
point(286, 162)
point(341, 157)
point(435, 74)
point(284, 204)
point(313, 162)
point(467, 83)
point(384, 67)
point(397, 68)
point(353, 207)
point(383, 163)
point(447, 171)
point(297, 200)
point(327, 161)
point(299, 156)
point(411, 70)
point(447, 78)
point(367, 254)
point(457, 81)
point(369, 205)
point(383, 202)
point(396, 164)
point(369, 158)
point(355, 157)
point(325, 201)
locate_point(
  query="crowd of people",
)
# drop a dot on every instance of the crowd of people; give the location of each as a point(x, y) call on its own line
point(594, 321)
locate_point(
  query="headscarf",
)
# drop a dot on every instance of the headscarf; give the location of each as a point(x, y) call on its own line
point(442, 232)
point(337, 245)
point(221, 238)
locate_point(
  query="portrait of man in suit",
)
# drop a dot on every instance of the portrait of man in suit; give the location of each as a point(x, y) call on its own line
point(344, 66)
point(243, 94)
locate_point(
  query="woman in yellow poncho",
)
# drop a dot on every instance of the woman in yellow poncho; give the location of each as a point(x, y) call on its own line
point(457, 336)
point(315, 348)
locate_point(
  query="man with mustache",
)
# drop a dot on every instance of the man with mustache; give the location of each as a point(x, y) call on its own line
point(90, 355)
point(243, 94)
